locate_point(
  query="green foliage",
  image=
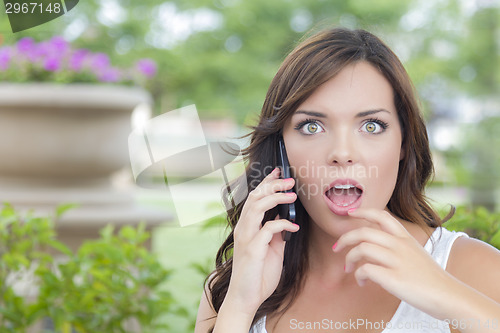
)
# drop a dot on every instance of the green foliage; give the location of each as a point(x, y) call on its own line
point(109, 285)
point(24, 245)
point(114, 276)
point(203, 268)
point(475, 164)
point(215, 221)
point(478, 223)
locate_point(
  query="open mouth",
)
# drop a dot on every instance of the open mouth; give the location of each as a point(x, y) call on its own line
point(344, 195)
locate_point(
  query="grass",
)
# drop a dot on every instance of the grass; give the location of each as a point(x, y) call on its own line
point(178, 249)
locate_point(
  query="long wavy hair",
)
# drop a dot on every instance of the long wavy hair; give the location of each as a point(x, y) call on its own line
point(312, 63)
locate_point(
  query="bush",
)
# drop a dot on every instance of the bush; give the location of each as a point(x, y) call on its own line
point(112, 284)
point(478, 223)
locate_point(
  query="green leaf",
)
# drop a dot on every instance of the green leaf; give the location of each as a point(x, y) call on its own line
point(66, 327)
point(107, 232)
point(60, 247)
point(63, 208)
point(495, 240)
point(128, 233)
point(15, 260)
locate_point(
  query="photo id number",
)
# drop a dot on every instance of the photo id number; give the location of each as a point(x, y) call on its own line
point(32, 8)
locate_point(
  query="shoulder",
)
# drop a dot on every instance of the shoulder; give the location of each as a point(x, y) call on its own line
point(205, 320)
point(477, 264)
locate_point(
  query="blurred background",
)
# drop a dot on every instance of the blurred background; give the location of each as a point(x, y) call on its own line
point(222, 54)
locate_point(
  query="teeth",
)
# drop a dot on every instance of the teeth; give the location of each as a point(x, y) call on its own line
point(343, 187)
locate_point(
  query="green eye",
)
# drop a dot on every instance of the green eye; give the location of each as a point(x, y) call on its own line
point(374, 126)
point(309, 127)
point(312, 127)
point(370, 127)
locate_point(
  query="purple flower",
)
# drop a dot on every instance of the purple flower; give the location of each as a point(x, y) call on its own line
point(40, 52)
point(58, 45)
point(4, 58)
point(100, 62)
point(77, 59)
point(28, 49)
point(110, 75)
point(25, 45)
point(52, 64)
point(77, 65)
point(51, 53)
point(147, 67)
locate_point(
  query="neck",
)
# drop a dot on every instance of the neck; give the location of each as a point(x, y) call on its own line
point(324, 264)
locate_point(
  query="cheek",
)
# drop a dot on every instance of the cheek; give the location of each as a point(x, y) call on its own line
point(382, 178)
point(308, 182)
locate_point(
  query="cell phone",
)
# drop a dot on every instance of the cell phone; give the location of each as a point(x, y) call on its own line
point(286, 211)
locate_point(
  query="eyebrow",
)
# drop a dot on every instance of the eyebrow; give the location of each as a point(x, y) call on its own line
point(322, 115)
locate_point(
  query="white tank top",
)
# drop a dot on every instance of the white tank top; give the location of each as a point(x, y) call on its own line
point(408, 319)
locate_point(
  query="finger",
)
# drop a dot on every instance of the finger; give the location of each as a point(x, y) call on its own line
point(277, 244)
point(364, 234)
point(264, 190)
point(272, 201)
point(258, 202)
point(270, 184)
point(266, 234)
point(371, 253)
point(375, 273)
point(273, 175)
point(250, 221)
point(383, 218)
point(285, 235)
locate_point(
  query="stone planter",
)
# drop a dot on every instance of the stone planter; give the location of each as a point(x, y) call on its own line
point(65, 133)
point(62, 144)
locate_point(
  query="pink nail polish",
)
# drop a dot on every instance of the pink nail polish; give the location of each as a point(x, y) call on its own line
point(334, 246)
point(352, 210)
point(290, 194)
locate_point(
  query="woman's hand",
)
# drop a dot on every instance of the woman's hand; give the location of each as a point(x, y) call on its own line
point(392, 258)
point(258, 250)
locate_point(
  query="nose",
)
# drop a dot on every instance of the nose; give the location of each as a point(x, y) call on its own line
point(342, 150)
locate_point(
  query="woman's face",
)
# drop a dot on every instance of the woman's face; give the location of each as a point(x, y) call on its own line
point(344, 147)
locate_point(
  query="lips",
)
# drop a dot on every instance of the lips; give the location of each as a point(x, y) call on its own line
point(343, 195)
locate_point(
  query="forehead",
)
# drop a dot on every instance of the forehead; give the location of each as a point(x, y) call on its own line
point(357, 87)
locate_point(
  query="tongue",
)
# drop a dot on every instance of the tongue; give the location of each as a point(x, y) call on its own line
point(344, 198)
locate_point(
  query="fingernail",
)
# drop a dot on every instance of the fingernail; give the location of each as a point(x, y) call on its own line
point(276, 171)
point(334, 246)
point(344, 268)
point(352, 210)
point(288, 179)
point(290, 194)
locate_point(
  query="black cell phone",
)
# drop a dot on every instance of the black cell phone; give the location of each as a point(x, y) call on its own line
point(286, 211)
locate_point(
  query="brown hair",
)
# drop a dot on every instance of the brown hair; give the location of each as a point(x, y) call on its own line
point(313, 62)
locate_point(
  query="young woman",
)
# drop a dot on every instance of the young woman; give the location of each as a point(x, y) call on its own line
point(368, 253)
